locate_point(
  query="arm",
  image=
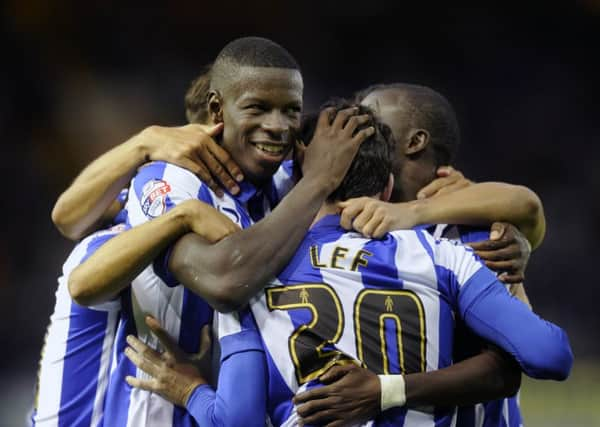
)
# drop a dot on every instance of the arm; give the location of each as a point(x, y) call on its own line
point(112, 267)
point(352, 393)
point(227, 274)
point(541, 348)
point(90, 199)
point(242, 392)
point(477, 204)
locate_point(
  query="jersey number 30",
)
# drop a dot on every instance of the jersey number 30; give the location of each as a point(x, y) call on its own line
point(389, 329)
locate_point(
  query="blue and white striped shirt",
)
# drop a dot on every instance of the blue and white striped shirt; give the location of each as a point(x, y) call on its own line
point(76, 358)
point(497, 413)
point(156, 188)
point(390, 304)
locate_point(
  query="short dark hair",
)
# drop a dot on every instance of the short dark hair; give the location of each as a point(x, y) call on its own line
point(196, 102)
point(372, 165)
point(429, 110)
point(249, 51)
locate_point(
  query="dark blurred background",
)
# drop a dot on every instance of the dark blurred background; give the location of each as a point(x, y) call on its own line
point(79, 77)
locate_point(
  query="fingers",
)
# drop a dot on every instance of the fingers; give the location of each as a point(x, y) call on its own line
point(317, 412)
point(207, 178)
point(363, 218)
point(342, 117)
point(325, 117)
point(205, 340)
point(443, 171)
point(512, 279)
point(163, 336)
point(489, 245)
point(215, 130)
point(218, 171)
point(225, 159)
point(510, 252)
point(354, 122)
point(363, 134)
point(433, 187)
point(312, 394)
point(497, 231)
point(313, 412)
point(142, 361)
point(335, 373)
point(350, 209)
point(148, 385)
point(449, 180)
point(500, 265)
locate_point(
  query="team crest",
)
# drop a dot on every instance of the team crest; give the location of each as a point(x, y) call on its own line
point(154, 197)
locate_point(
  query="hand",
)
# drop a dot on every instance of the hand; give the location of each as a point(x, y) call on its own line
point(334, 145)
point(507, 252)
point(193, 147)
point(174, 373)
point(206, 221)
point(374, 218)
point(449, 180)
point(351, 395)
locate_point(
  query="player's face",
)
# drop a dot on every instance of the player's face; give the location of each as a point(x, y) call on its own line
point(261, 114)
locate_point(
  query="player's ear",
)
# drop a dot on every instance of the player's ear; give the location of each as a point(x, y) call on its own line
point(418, 139)
point(386, 194)
point(214, 102)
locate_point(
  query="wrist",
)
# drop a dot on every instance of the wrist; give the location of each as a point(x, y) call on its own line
point(317, 187)
point(185, 214)
point(191, 389)
point(393, 391)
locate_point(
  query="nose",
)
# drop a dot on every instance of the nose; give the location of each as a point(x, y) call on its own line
point(276, 123)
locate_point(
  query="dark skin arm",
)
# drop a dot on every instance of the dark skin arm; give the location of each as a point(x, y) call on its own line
point(227, 274)
point(353, 394)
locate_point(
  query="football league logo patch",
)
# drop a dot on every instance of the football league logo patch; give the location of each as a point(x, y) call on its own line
point(154, 197)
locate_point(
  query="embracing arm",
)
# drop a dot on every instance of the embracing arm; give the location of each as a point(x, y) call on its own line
point(477, 204)
point(90, 199)
point(118, 261)
point(230, 272)
point(352, 393)
point(485, 203)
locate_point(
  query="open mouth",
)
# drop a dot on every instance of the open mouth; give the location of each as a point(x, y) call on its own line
point(272, 149)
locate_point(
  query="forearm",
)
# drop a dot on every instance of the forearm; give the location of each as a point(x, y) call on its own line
point(541, 348)
point(242, 392)
point(487, 376)
point(230, 272)
point(81, 208)
point(112, 267)
point(485, 203)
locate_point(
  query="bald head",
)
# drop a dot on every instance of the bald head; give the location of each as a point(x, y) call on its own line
point(406, 107)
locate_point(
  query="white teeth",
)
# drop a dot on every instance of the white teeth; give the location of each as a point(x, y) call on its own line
point(274, 149)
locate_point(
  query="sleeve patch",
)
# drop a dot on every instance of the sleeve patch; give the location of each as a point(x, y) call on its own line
point(154, 197)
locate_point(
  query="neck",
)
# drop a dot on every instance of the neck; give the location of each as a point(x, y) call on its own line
point(414, 176)
point(327, 208)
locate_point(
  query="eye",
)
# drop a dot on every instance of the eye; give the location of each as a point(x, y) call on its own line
point(293, 110)
point(255, 108)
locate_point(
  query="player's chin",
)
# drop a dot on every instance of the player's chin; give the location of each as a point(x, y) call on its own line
point(260, 171)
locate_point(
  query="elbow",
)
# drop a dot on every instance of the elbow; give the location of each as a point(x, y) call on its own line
point(77, 290)
point(219, 287)
point(551, 360)
point(228, 295)
point(532, 214)
point(60, 219)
